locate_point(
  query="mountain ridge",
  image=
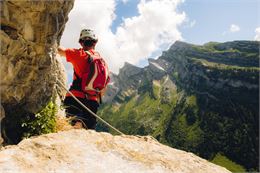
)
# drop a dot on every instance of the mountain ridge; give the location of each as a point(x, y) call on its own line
point(212, 88)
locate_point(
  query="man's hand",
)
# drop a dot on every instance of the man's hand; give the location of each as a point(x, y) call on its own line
point(61, 51)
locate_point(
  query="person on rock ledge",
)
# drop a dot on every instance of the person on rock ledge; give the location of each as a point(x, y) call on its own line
point(89, 80)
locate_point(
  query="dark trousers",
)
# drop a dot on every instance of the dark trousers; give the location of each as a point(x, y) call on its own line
point(73, 108)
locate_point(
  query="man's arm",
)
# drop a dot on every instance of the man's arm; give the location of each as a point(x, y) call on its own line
point(61, 51)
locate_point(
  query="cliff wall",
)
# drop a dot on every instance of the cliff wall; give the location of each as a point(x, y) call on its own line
point(30, 32)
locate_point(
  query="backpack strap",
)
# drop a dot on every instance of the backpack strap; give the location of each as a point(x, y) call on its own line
point(92, 70)
point(91, 67)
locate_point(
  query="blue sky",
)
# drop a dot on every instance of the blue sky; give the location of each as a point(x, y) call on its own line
point(214, 17)
point(135, 30)
point(124, 10)
point(211, 18)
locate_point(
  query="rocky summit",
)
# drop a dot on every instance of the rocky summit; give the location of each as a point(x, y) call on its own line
point(91, 152)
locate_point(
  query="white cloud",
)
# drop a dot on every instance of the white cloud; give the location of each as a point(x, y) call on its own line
point(97, 15)
point(125, 1)
point(257, 36)
point(234, 28)
point(136, 39)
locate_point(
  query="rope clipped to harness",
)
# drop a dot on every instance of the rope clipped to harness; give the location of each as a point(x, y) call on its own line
point(95, 115)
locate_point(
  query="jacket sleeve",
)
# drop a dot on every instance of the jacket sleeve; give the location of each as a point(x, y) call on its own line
point(70, 54)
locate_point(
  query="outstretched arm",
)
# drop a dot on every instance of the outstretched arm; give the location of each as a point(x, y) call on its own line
point(61, 51)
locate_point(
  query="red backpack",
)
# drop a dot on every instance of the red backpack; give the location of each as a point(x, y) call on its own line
point(95, 80)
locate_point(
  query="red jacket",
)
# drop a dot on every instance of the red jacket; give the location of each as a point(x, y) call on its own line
point(78, 58)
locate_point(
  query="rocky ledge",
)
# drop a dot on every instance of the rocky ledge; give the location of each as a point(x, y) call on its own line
point(90, 151)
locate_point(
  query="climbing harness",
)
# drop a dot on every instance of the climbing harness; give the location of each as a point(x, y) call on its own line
point(95, 115)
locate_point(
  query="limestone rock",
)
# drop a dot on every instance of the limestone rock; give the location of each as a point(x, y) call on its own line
point(28, 68)
point(30, 32)
point(91, 152)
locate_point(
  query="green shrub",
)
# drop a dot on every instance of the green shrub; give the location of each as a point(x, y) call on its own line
point(40, 123)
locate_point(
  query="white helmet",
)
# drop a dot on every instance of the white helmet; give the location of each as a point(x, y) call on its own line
point(87, 33)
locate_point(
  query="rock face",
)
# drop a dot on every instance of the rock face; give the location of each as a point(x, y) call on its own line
point(30, 31)
point(92, 152)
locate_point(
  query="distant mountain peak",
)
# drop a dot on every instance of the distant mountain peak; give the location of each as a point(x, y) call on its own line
point(127, 65)
point(129, 69)
point(180, 45)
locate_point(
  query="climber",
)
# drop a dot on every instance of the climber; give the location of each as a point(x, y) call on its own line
point(88, 84)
